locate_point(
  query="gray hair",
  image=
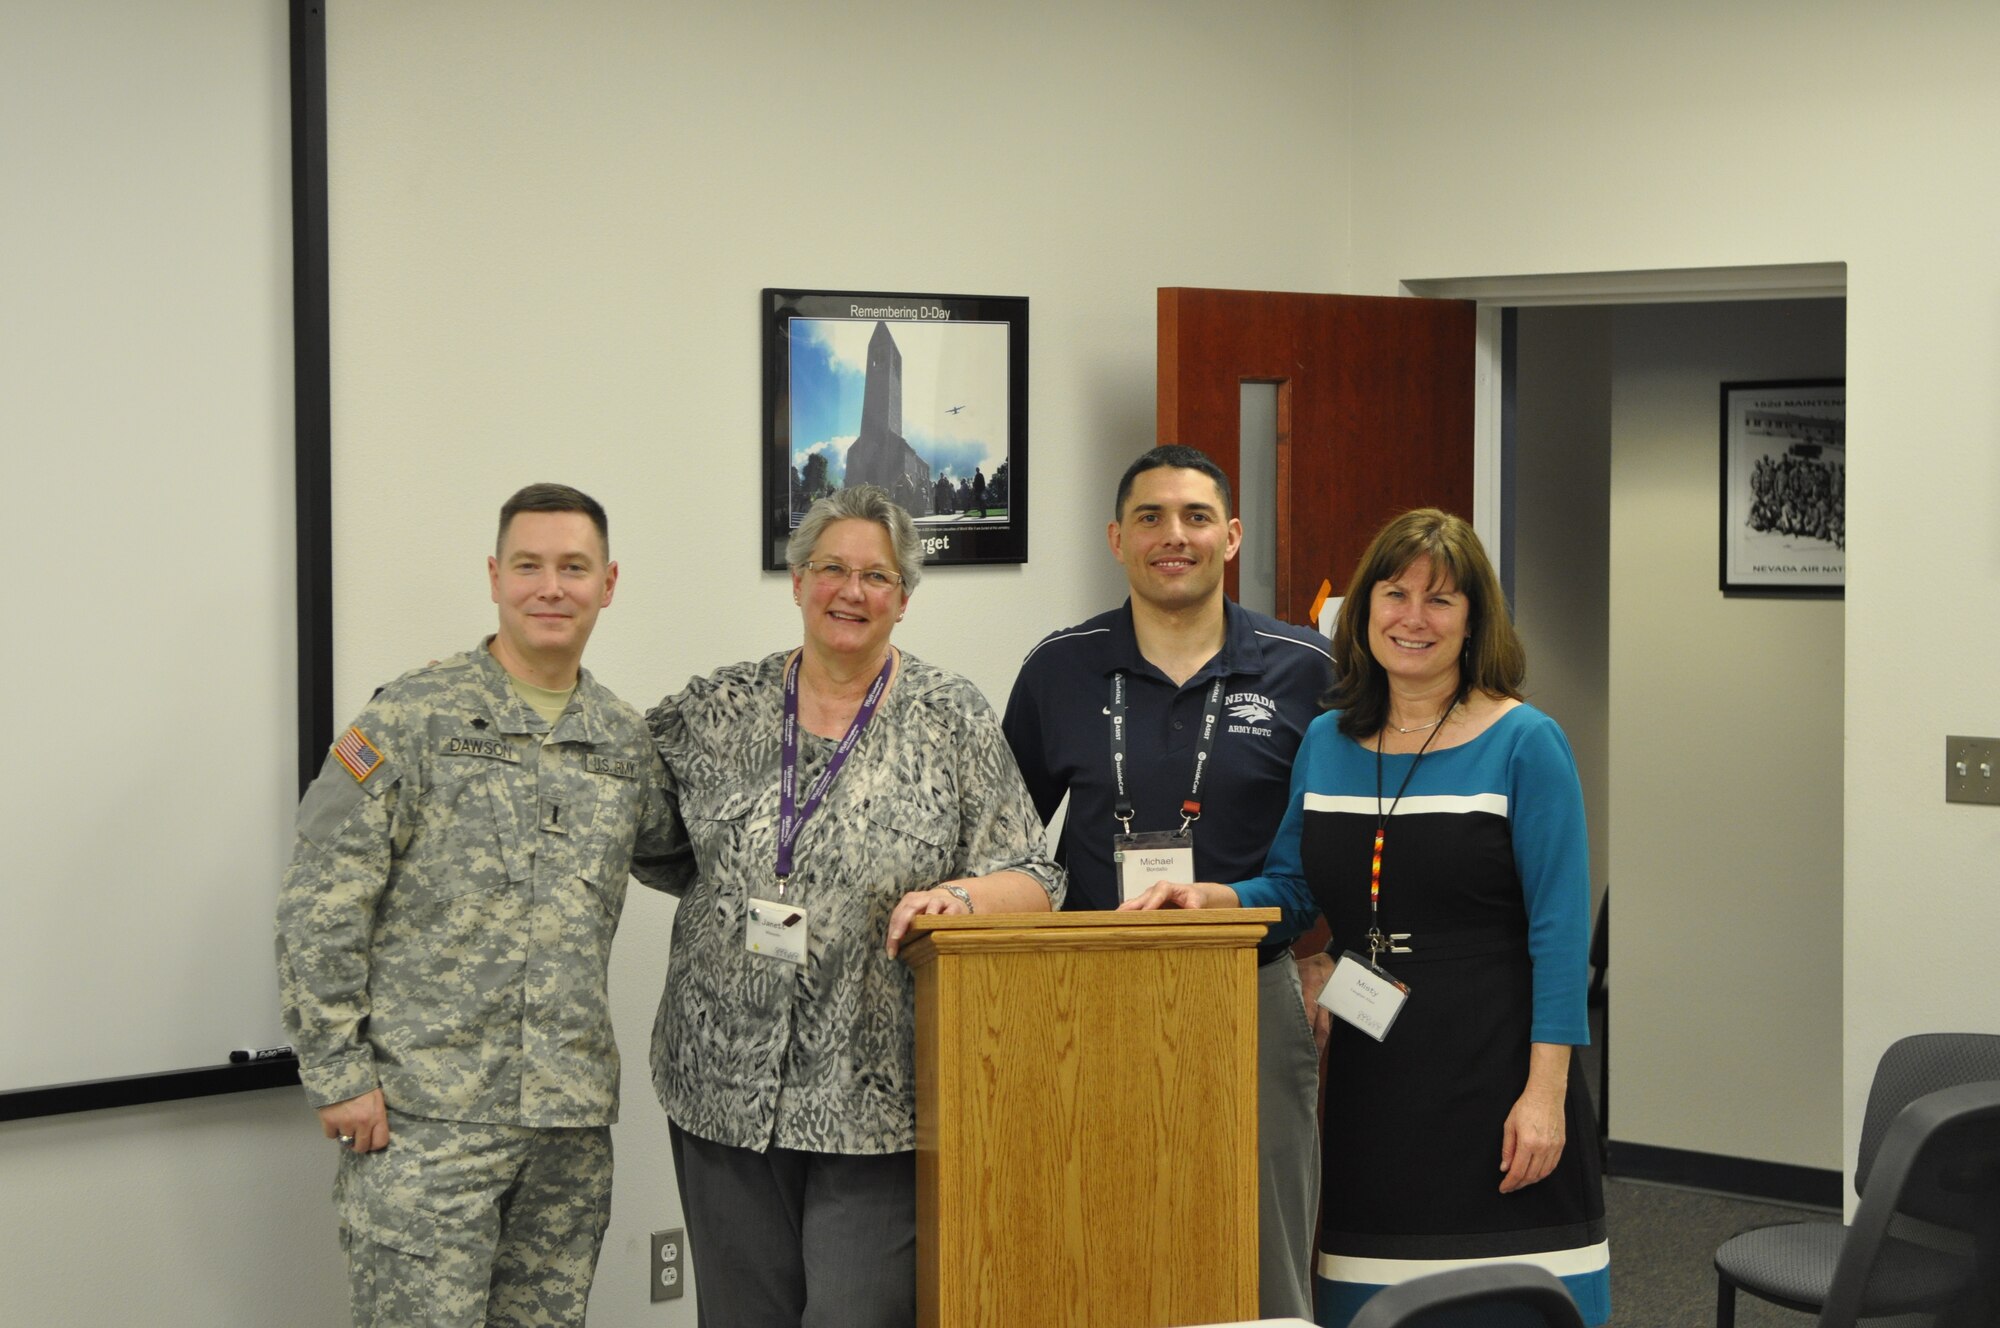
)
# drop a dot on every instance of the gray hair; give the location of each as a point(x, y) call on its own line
point(862, 502)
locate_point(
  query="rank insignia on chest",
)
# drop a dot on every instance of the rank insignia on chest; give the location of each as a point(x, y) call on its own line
point(621, 766)
point(357, 754)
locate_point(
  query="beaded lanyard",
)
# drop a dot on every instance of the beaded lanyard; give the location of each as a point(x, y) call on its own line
point(1377, 942)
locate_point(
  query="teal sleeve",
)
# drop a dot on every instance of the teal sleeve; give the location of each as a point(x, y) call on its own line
point(1283, 883)
point(1552, 854)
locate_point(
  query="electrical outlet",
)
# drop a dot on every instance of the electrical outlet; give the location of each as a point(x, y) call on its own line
point(1972, 770)
point(667, 1260)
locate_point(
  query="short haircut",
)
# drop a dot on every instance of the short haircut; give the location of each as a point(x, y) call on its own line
point(553, 498)
point(861, 502)
point(1180, 458)
point(1493, 660)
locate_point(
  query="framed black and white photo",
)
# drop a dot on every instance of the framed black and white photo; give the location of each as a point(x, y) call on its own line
point(1784, 487)
point(924, 395)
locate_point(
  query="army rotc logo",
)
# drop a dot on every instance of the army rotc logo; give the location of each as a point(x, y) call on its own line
point(357, 754)
point(1252, 712)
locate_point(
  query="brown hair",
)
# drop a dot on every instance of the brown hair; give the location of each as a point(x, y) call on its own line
point(553, 498)
point(1493, 660)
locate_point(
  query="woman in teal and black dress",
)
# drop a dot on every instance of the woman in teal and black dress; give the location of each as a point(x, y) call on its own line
point(1436, 820)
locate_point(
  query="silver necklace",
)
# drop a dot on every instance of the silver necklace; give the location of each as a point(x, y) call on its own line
point(1419, 728)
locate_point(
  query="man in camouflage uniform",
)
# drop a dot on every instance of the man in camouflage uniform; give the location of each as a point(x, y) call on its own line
point(443, 937)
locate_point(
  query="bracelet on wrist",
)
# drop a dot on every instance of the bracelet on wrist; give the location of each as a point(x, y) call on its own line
point(958, 892)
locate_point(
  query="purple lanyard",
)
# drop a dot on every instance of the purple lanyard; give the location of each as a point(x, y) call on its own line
point(792, 817)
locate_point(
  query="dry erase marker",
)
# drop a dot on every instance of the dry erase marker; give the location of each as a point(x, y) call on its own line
point(244, 1055)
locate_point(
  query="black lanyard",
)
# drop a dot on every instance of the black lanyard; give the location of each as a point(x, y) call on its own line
point(1211, 715)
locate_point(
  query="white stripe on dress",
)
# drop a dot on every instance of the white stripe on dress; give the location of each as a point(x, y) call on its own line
point(1492, 803)
point(1389, 1272)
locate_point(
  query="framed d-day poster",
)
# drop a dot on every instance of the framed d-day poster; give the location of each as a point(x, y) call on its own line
point(1784, 487)
point(925, 396)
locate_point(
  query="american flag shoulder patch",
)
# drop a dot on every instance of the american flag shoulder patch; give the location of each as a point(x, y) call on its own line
point(357, 754)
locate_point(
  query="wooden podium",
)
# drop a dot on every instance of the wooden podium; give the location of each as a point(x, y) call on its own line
point(1087, 1118)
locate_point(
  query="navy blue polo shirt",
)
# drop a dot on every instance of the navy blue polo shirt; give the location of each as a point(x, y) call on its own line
point(1058, 722)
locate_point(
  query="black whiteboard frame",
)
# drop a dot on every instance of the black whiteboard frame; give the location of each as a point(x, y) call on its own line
point(312, 481)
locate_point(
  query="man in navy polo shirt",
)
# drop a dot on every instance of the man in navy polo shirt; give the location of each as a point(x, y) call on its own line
point(1170, 723)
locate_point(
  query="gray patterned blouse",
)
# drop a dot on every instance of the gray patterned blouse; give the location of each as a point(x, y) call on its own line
point(755, 1051)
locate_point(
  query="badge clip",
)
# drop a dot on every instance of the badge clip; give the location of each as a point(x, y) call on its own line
point(1380, 944)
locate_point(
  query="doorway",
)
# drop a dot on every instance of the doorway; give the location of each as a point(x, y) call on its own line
point(1708, 730)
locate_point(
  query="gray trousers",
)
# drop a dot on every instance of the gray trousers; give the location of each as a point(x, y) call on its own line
point(1287, 1143)
point(785, 1239)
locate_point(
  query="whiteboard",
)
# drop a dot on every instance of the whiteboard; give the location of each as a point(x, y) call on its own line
point(146, 422)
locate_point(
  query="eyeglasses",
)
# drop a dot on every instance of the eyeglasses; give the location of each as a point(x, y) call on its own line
point(835, 575)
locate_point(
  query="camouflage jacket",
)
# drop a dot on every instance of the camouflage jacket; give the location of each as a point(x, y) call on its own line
point(755, 1051)
point(445, 926)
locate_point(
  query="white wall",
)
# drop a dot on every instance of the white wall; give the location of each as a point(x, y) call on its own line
point(551, 224)
point(1570, 136)
point(210, 1212)
point(1561, 521)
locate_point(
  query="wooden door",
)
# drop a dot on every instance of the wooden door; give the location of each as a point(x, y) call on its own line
point(1375, 399)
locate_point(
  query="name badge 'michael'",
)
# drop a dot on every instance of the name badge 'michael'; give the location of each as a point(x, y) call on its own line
point(493, 748)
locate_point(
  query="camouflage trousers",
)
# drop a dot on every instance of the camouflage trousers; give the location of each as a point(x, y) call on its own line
point(460, 1225)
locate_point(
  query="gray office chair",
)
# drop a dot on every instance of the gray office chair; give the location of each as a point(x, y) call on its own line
point(1940, 1164)
point(1794, 1264)
point(1501, 1295)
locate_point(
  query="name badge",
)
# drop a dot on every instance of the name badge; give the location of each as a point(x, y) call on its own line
point(1364, 995)
point(1151, 856)
point(776, 930)
point(493, 749)
point(619, 767)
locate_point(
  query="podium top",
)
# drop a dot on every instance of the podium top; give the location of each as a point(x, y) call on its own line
point(1166, 928)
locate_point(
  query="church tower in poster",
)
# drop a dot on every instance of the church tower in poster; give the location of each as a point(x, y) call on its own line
point(879, 454)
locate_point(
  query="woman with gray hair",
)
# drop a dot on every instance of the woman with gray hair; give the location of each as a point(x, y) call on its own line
point(831, 793)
